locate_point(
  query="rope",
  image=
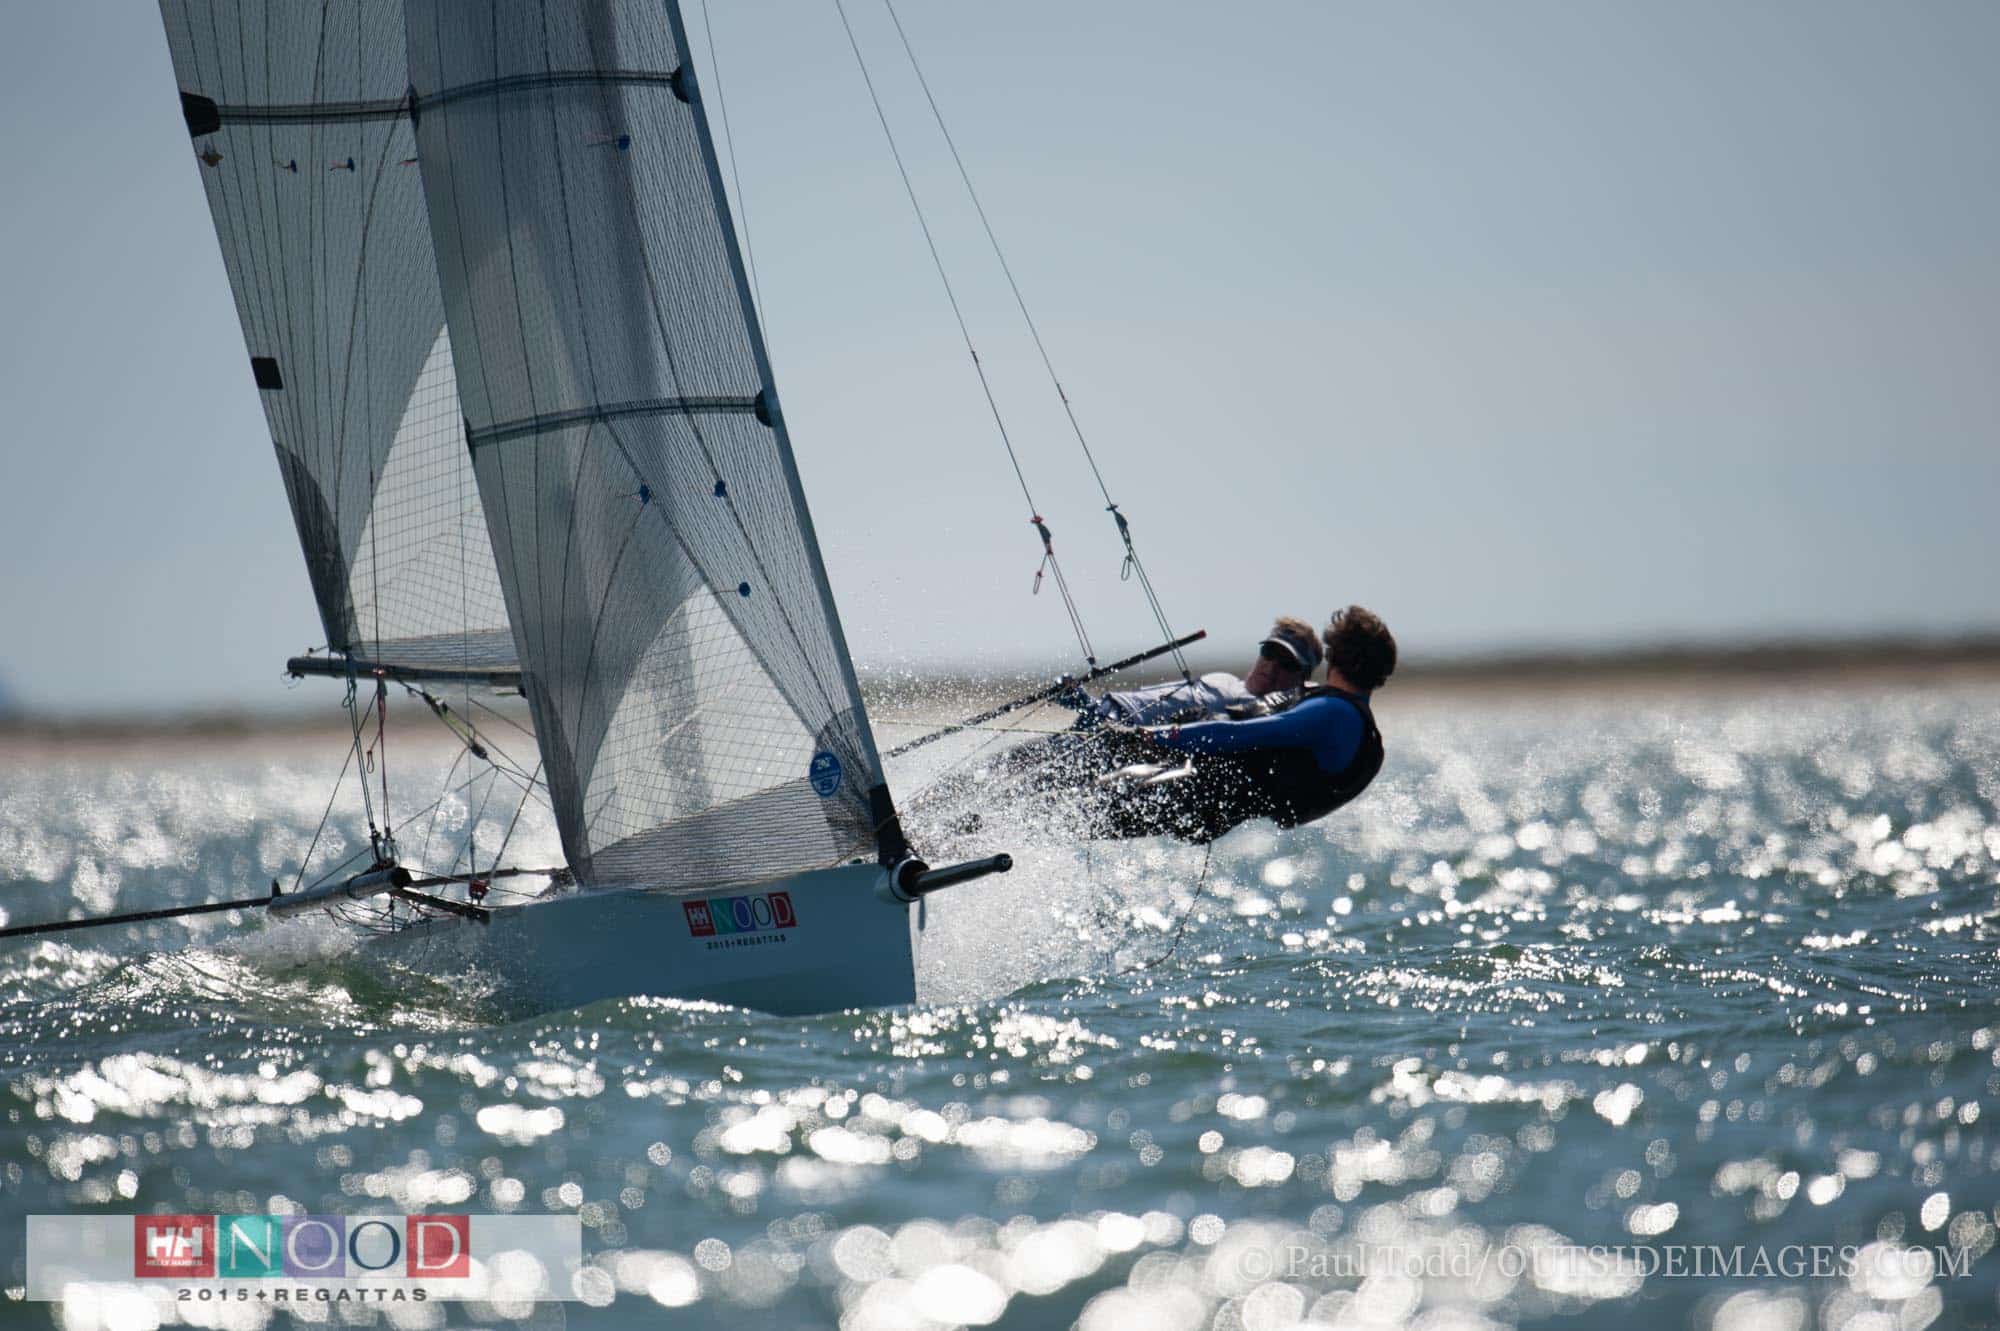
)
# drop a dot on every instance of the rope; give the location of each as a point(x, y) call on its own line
point(430, 831)
point(508, 835)
point(477, 745)
point(472, 824)
point(879, 722)
point(982, 747)
point(476, 742)
point(1049, 560)
point(332, 795)
point(382, 744)
point(367, 802)
point(1200, 886)
point(503, 718)
point(411, 820)
point(735, 180)
point(1132, 564)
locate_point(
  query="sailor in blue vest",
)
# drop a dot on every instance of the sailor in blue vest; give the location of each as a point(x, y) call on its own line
point(1292, 755)
point(1291, 758)
point(1286, 658)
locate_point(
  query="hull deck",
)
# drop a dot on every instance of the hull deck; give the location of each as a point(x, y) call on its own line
point(815, 942)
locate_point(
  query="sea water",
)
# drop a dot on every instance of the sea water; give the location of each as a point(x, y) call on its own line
point(1674, 1010)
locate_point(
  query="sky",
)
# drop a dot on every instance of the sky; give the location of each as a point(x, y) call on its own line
point(1536, 325)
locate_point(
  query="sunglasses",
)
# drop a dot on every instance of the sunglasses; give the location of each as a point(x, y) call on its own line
point(1279, 654)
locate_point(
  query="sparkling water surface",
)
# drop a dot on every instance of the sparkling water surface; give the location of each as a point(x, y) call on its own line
point(1678, 973)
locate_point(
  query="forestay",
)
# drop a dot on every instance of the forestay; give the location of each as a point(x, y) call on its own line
point(693, 696)
point(299, 118)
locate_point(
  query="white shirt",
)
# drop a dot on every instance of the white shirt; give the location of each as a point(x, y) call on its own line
point(1211, 695)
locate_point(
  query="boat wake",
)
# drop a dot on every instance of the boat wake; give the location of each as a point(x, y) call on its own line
point(1070, 908)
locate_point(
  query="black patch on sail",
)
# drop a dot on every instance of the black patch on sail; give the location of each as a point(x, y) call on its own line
point(264, 369)
point(320, 536)
point(201, 113)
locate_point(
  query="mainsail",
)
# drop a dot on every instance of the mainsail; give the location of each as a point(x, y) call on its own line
point(589, 475)
point(299, 115)
point(692, 692)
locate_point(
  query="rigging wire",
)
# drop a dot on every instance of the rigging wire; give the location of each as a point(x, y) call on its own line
point(476, 745)
point(472, 862)
point(476, 742)
point(382, 743)
point(1133, 564)
point(409, 821)
point(430, 831)
point(502, 717)
point(332, 795)
point(367, 802)
point(471, 851)
point(1200, 886)
point(1049, 560)
point(735, 180)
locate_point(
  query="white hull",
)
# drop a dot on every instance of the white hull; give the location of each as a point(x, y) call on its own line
point(815, 942)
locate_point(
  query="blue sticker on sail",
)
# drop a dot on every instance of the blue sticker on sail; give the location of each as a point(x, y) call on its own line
point(824, 774)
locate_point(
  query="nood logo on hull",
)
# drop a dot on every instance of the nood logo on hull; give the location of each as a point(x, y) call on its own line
point(746, 921)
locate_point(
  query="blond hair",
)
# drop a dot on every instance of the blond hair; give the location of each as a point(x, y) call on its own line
point(1291, 627)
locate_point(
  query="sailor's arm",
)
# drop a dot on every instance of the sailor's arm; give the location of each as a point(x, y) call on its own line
point(1295, 728)
point(1329, 727)
point(1157, 704)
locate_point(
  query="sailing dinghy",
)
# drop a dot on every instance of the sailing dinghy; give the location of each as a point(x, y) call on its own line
point(486, 269)
point(495, 309)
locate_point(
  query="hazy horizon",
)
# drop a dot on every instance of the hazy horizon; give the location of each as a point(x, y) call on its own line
point(1535, 328)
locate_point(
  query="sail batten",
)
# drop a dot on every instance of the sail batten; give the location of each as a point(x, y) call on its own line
point(610, 411)
point(205, 115)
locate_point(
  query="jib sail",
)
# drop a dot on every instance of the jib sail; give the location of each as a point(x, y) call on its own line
point(301, 124)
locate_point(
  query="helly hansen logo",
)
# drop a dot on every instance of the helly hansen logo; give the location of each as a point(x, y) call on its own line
point(755, 913)
point(173, 1245)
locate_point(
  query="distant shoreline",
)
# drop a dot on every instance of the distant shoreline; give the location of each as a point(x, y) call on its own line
point(1667, 669)
point(1772, 665)
point(1658, 669)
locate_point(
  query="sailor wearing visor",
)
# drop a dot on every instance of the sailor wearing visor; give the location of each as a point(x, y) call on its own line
point(1292, 756)
point(1194, 759)
point(1286, 658)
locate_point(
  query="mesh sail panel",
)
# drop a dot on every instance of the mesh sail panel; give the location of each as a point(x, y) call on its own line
point(303, 138)
point(691, 689)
